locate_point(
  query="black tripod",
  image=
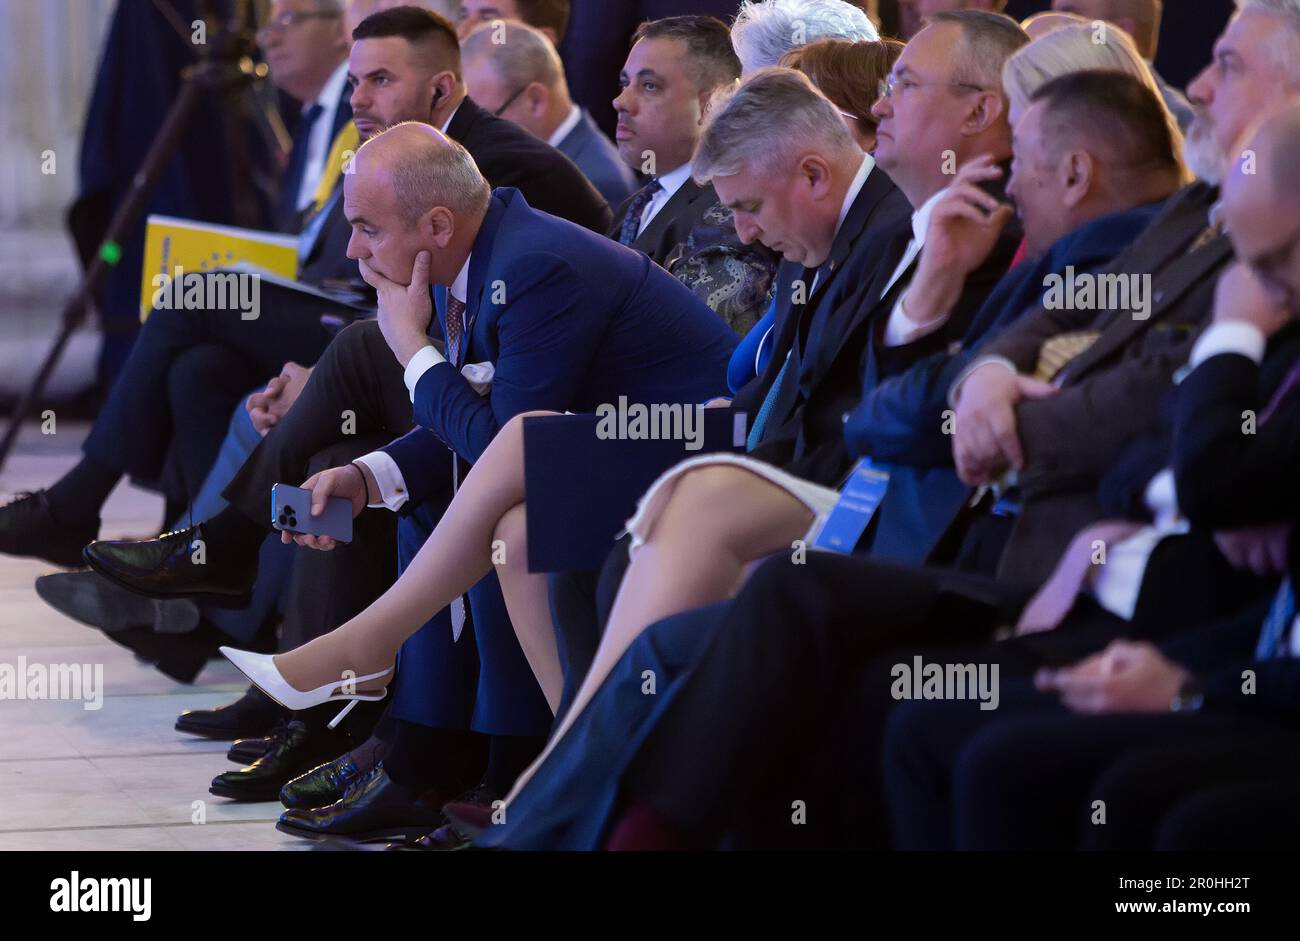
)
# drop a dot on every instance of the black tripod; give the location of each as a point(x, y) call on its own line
point(224, 66)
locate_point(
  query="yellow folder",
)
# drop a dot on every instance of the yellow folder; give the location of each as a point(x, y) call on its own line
point(173, 245)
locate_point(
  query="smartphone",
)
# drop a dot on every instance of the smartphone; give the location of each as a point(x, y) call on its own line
point(291, 513)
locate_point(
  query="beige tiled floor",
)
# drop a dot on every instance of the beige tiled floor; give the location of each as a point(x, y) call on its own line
point(119, 777)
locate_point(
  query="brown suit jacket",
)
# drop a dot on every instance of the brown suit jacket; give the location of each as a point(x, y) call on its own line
point(1112, 392)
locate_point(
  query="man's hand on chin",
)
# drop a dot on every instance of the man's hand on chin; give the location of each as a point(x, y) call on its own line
point(404, 310)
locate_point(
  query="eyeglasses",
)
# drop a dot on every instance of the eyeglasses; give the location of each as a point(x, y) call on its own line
point(848, 115)
point(509, 101)
point(893, 84)
point(289, 18)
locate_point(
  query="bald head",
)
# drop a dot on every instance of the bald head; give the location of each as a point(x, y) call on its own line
point(424, 169)
point(1261, 203)
point(1266, 180)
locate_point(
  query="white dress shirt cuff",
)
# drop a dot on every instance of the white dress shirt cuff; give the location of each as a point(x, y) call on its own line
point(1231, 337)
point(420, 363)
point(902, 329)
point(392, 487)
point(954, 391)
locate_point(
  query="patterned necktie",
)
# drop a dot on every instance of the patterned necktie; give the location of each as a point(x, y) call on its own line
point(632, 221)
point(455, 329)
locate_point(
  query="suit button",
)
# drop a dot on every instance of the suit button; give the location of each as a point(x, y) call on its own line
point(844, 419)
point(1159, 296)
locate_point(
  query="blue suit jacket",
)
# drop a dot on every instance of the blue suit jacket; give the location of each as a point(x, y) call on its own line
point(598, 159)
point(900, 421)
point(570, 320)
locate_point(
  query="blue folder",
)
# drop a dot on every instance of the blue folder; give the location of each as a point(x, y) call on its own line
point(581, 489)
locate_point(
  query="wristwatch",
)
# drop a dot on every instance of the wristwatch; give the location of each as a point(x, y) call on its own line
point(1189, 698)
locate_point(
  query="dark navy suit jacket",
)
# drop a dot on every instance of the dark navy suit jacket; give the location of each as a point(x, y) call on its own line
point(900, 421)
point(598, 159)
point(571, 321)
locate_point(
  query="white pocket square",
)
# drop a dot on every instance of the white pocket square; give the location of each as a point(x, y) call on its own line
point(479, 375)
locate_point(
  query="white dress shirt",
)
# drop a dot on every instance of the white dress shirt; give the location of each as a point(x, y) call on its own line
point(320, 140)
point(392, 486)
point(1117, 584)
point(566, 127)
point(901, 328)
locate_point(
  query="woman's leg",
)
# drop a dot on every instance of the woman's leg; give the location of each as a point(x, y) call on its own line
point(718, 520)
point(527, 600)
point(456, 555)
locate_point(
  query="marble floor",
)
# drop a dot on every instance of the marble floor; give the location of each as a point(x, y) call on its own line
point(118, 777)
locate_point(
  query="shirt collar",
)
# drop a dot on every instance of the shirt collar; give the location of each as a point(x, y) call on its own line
point(331, 92)
point(672, 182)
point(921, 218)
point(566, 126)
point(859, 180)
point(451, 117)
point(460, 287)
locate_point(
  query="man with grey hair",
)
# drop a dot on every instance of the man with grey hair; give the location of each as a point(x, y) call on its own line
point(765, 31)
point(513, 71)
point(780, 158)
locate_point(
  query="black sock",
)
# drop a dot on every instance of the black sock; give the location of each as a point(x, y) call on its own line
point(77, 496)
point(231, 533)
point(508, 756)
point(421, 758)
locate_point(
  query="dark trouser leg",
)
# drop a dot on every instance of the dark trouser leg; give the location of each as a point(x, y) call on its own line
point(204, 385)
point(788, 641)
point(328, 588)
point(135, 425)
point(1242, 817)
point(577, 628)
point(355, 389)
point(1141, 788)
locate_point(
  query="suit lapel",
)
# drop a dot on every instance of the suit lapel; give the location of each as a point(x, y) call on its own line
point(1167, 289)
point(676, 208)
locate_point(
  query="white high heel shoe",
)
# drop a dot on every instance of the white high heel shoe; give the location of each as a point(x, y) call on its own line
point(261, 672)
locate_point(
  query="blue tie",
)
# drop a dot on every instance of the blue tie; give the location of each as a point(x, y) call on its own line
point(764, 410)
point(632, 221)
point(1280, 616)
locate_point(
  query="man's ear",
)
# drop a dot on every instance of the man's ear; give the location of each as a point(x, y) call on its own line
point(1078, 171)
point(438, 227)
point(816, 172)
point(536, 98)
point(987, 110)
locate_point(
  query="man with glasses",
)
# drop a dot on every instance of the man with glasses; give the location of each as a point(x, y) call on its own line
point(306, 49)
point(515, 72)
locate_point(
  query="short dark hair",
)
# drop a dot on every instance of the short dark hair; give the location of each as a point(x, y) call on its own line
point(987, 41)
point(1115, 108)
point(708, 43)
point(543, 14)
point(416, 25)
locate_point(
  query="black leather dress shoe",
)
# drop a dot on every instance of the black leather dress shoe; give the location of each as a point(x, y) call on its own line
point(245, 751)
point(179, 656)
point(93, 600)
point(28, 528)
point(294, 748)
point(471, 813)
point(375, 807)
point(322, 785)
point(446, 839)
point(251, 715)
point(169, 566)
